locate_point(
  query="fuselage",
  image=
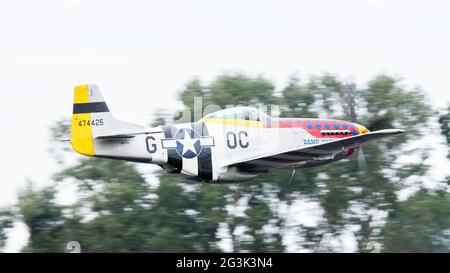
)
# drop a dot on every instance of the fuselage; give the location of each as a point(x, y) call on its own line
point(205, 150)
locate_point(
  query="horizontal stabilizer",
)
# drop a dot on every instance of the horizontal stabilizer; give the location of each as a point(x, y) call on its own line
point(129, 133)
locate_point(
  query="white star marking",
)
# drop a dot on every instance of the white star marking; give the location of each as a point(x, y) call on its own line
point(188, 143)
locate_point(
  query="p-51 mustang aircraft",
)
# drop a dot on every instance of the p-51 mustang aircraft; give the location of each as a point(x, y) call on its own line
point(230, 145)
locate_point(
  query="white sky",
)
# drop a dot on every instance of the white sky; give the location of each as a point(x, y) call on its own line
point(140, 53)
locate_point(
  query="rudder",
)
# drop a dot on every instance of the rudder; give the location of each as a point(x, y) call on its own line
point(90, 118)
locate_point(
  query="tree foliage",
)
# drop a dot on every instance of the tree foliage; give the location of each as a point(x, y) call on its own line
point(421, 224)
point(122, 210)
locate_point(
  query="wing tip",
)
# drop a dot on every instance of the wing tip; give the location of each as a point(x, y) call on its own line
point(390, 131)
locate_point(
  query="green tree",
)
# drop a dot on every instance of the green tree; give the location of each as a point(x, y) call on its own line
point(298, 99)
point(117, 196)
point(122, 210)
point(420, 224)
point(239, 89)
point(355, 196)
point(44, 219)
point(444, 121)
point(6, 223)
point(192, 90)
point(187, 215)
point(343, 188)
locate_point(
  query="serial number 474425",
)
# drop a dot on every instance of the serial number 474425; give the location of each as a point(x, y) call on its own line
point(94, 122)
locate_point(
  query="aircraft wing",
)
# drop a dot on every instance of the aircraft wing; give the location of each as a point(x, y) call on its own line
point(323, 151)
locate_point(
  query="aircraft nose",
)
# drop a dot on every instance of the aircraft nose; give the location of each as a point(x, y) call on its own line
point(362, 129)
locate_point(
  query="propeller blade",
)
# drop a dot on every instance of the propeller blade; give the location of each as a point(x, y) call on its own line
point(362, 163)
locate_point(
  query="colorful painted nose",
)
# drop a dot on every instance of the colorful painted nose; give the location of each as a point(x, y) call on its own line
point(362, 129)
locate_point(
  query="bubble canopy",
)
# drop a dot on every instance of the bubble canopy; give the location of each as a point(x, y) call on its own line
point(243, 113)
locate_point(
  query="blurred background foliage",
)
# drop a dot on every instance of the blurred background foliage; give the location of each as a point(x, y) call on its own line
point(122, 209)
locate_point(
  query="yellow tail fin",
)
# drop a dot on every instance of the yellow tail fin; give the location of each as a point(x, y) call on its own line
point(81, 135)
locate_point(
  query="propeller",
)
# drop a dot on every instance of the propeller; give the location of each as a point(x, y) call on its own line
point(292, 175)
point(349, 104)
point(362, 163)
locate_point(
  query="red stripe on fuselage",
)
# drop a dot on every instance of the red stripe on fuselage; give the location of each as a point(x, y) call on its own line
point(314, 126)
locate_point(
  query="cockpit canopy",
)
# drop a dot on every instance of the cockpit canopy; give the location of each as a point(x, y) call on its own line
point(243, 113)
